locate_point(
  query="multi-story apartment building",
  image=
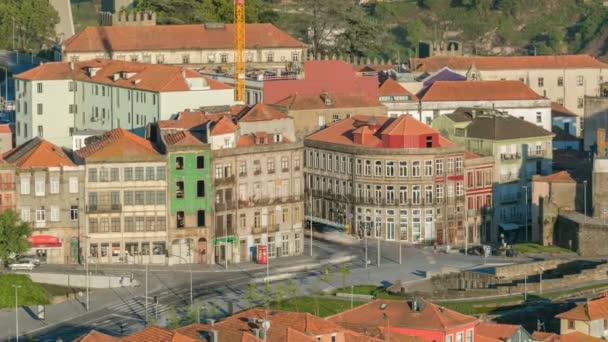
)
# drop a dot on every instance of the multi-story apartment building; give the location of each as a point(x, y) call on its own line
point(189, 196)
point(7, 187)
point(512, 97)
point(125, 199)
point(314, 112)
point(208, 44)
point(565, 79)
point(520, 149)
point(479, 180)
point(49, 197)
point(258, 185)
point(389, 178)
point(54, 99)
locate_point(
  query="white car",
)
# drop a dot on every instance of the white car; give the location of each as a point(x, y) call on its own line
point(24, 265)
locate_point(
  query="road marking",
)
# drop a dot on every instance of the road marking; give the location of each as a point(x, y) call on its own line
point(131, 318)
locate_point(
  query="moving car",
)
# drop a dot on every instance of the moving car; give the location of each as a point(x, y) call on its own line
point(23, 265)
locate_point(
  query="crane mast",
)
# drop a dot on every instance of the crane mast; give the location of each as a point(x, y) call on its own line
point(239, 50)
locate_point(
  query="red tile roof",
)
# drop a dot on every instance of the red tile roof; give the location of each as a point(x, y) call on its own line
point(545, 336)
point(262, 112)
point(224, 126)
point(432, 64)
point(119, 144)
point(227, 335)
point(471, 155)
point(589, 311)
point(37, 153)
point(479, 91)
point(343, 132)
point(304, 102)
point(95, 336)
point(579, 337)
point(495, 332)
point(152, 77)
point(176, 37)
point(401, 315)
point(183, 138)
point(558, 177)
point(390, 87)
point(559, 110)
point(7, 129)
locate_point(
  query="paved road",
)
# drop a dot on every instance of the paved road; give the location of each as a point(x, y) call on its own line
point(122, 311)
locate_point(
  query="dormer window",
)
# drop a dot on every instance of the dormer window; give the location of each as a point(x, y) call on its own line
point(429, 141)
point(327, 99)
point(278, 138)
point(261, 141)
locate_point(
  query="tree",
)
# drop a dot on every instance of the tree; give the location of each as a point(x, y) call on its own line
point(326, 276)
point(196, 11)
point(344, 272)
point(173, 321)
point(292, 291)
point(13, 235)
point(252, 294)
point(279, 294)
point(267, 295)
point(34, 23)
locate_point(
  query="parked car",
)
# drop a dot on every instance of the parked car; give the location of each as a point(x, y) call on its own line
point(34, 259)
point(475, 250)
point(22, 266)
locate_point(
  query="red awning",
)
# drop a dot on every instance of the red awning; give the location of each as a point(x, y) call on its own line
point(41, 241)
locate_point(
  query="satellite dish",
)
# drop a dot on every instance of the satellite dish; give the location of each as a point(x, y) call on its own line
point(266, 325)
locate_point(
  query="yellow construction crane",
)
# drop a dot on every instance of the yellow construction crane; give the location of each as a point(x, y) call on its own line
point(239, 50)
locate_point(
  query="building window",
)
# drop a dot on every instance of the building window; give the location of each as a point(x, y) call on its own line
point(560, 81)
point(150, 173)
point(270, 165)
point(539, 117)
point(416, 194)
point(54, 214)
point(270, 57)
point(580, 102)
point(139, 174)
point(180, 221)
point(185, 59)
point(200, 162)
point(390, 168)
point(428, 168)
point(54, 185)
point(459, 337)
point(39, 186)
point(470, 335)
point(224, 58)
point(403, 194)
point(459, 165)
point(40, 215)
point(284, 164)
point(39, 108)
point(541, 82)
point(179, 189)
point(439, 191)
point(39, 87)
point(570, 324)
point(200, 218)
point(402, 169)
point(295, 56)
point(416, 169)
point(580, 80)
point(74, 213)
point(200, 188)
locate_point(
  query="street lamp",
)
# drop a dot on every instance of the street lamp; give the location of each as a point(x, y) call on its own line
point(540, 283)
point(310, 221)
point(378, 227)
point(17, 287)
point(585, 199)
point(525, 188)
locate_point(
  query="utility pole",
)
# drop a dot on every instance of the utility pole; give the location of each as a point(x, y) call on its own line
point(585, 199)
point(17, 287)
point(146, 297)
point(310, 218)
point(87, 280)
point(525, 188)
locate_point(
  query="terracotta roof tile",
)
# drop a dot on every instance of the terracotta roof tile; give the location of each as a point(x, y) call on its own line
point(431, 64)
point(479, 91)
point(390, 87)
point(224, 126)
point(558, 177)
point(303, 102)
point(545, 336)
point(429, 317)
point(7, 129)
point(189, 121)
point(471, 155)
point(589, 311)
point(406, 125)
point(37, 153)
point(495, 332)
point(119, 144)
point(262, 112)
point(559, 110)
point(176, 37)
point(153, 77)
point(95, 336)
point(579, 337)
point(184, 138)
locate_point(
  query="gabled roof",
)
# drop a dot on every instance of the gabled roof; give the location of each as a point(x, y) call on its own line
point(401, 315)
point(557, 110)
point(95, 336)
point(407, 125)
point(431, 64)
point(578, 336)
point(119, 145)
point(479, 91)
point(176, 37)
point(390, 87)
point(195, 330)
point(503, 127)
point(545, 336)
point(303, 101)
point(262, 112)
point(37, 153)
point(184, 138)
point(142, 76)
point(223, 126)
point(495, 332)
point(589, 311)
point(444, 74)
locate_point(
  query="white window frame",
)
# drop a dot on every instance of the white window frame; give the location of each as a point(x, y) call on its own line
point(26, 214)
point(54, 188)
point(40, 215)
point(55, 214)
point(25, 185)
point(73, 185)
point(39, 186)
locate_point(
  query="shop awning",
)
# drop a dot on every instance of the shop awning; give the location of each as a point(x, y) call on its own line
point(222, 240)
point(509, 226)
point(44, 241)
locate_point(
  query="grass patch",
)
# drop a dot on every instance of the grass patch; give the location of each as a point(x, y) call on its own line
point(57, 290)
point(535, 248)
point(30, 293)
point(376, 291)
point(326, 306)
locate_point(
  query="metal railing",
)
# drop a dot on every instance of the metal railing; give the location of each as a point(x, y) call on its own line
point(105, 208)
point(510, 156)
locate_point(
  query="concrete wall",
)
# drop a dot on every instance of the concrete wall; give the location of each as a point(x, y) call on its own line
point(80, 280)
point(587, 235)
point(596, 116)
point(600, 184)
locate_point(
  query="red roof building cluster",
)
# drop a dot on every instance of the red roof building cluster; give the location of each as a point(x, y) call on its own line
point(502, 90)
point(37, 153)
point(119, 144)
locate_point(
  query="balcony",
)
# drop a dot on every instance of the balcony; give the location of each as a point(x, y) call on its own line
point(509, 177)
point(222, 232)
point(225, 206)
point(534, 154)
point(224, 181)
point(253, 202)
point(39, 224)
point(510, 156)
point(106, 208)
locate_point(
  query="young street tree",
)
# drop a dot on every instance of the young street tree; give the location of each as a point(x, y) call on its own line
point(13, 235)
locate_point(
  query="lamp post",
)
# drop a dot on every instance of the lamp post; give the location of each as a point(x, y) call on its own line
point(310, 221)
point(17, 287)
point(540, 283)
point(525, 188)
point(378, 229)
point(585, 199)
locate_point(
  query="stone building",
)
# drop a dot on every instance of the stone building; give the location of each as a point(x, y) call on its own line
point(314, 112)
point(520, 149)
point(189, 45)
point(49, 197)
point(599, 199)
point(479, 176)
point(389, 178)
point(122, 13)
point(596, 117)
point(549, 195)
point(565, 79)
point(258, 185)
point(125, 200)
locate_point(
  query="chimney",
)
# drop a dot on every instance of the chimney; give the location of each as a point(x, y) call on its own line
point(601, 142)
point(210, 321)
point(256, 332)
point(214, 336)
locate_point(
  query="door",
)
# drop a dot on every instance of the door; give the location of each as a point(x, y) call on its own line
point(202, 251)
point(243, 250)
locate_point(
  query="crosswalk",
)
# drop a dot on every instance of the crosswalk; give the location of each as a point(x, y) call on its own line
point(136, 307)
